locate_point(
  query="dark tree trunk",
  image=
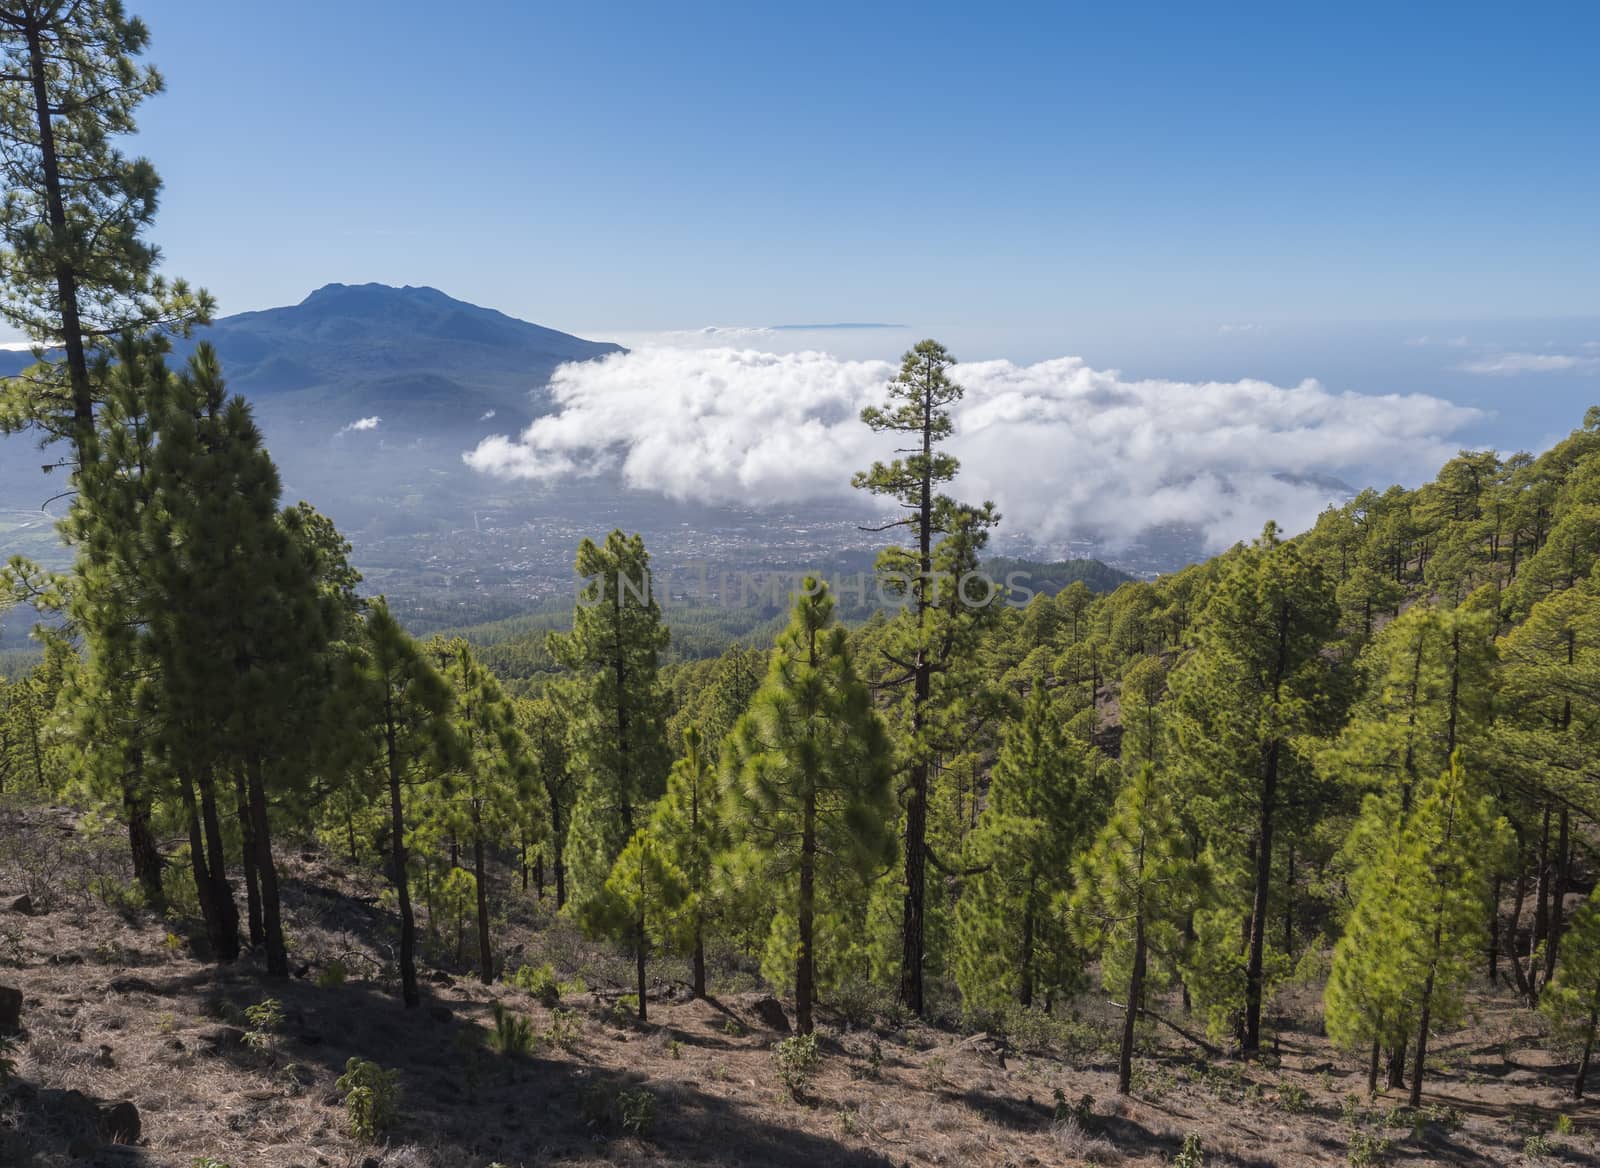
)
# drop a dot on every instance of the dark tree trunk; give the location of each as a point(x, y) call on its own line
point(479, 871)
point(147, 862)
point(1372, 1067)
point(402, 884)
point(641, 943)
point(805, 961)
point(66, 279)
point(1130, 1013)
point(217, 866)
point(1397, 1064)
point(1559, 894)
point(1588, 1044)
point(252, 887)
point(267, 873)
point(204, 887)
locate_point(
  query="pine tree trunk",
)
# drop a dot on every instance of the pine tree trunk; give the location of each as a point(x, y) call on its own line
point(1255, 963)
point(911, 930)
point(1130, 1013)
point(805, 959)
point(147, 862)
point(252, 889)
point(402, 884)
point(66, 279)
point(217, 866)
point(557, 850)
point(1588, 1044)
point(1541, 896)
point(204, 888)
point(1558, 895)
point(485, 954)
point(1397, 1064)
point(640, 943)
point(1372, 1067)
point(698, 957)
point(1494, 931)
point(267, 872)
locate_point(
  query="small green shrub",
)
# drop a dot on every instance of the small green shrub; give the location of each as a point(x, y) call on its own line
point(874, 1065)
point(797, 1060)
point(541, 982)
point(636, 1110)
point(371, 1098)
point(208, 1162)
point(1366, 1150)
point(562, 1031)
point(1563, 1124)
point(265, 1018)
point(1190, 1155)
point(8, 1063)
point(607, 1107)
point(1537, 1146)
point(1082, 1111)
point(513, 1034)
point(1294, 1099)
point(332, 975)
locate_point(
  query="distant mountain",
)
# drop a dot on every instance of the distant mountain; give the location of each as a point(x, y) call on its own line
point(416, 353)
point(414, 356)
point(426, 375)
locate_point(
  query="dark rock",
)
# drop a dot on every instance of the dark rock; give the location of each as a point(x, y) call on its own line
point(220, 1038)
point(10, 1009)
point(770, 1013)
point(132, 985)
point(119, 1123)
point(23, 904)
point(440, 977)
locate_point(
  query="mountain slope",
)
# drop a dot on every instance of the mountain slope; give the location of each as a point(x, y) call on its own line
point(355, 348)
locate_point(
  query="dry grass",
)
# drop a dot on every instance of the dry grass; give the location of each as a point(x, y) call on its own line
point(115, 1010)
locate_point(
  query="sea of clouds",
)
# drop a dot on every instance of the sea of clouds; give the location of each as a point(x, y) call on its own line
point(1064, 450)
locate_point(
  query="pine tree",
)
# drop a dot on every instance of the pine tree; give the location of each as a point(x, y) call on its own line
point(618, 726)
point(1255, 681)
point(544, 722)
point(1008, 943)
point(646, 899)
point(240, 696)
point(944, 610)
point(687, 826)
point(486, 796)
point(1367, 1002)
point(807, 784)
point(1133, 887)
point(1571, 1002)
point(77, 272)
point(1452, 843)
point(392, 711)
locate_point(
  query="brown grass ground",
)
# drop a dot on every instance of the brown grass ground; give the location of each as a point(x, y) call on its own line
point(115, 1008)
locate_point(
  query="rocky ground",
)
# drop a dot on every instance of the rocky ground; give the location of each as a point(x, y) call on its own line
point(128, 1050)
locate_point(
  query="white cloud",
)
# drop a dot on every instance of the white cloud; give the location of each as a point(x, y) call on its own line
point(361, 424)
point(1062, 449)
point(486, 415)
point(1510, 364)
point(1238, 328)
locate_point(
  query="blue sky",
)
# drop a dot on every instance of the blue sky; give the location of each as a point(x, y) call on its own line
point(1096, 168)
